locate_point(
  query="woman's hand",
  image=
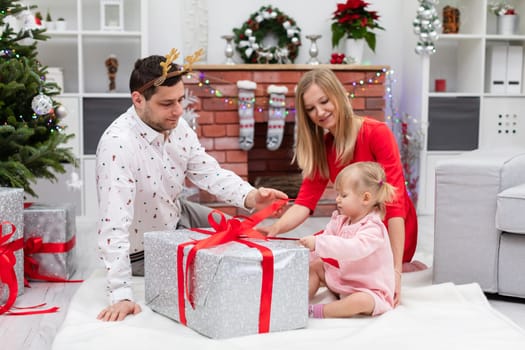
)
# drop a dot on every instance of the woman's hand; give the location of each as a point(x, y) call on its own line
point(397, 290)
point(292, 217)
point(270, 231)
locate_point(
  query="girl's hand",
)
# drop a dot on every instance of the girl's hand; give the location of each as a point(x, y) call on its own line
point(308, 242)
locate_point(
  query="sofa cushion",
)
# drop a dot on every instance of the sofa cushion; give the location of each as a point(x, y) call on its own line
point(510, 212)
point(511, 280)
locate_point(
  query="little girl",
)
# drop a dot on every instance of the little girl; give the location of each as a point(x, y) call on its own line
point(353, 256)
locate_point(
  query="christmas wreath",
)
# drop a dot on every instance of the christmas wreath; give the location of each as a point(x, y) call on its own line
point(249, 37)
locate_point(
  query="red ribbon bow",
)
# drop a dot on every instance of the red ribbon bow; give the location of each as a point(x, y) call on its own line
point(36, 245)
point(229, 231)
point(8, 276)
point(7, 264)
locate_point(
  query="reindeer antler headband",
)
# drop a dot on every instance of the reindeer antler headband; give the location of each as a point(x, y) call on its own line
point(166, 65)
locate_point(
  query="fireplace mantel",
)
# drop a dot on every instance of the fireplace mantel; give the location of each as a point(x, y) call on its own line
point(218, 121)
point(291, 67)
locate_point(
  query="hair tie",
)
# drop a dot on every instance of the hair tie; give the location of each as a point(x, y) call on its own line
point(380, 183)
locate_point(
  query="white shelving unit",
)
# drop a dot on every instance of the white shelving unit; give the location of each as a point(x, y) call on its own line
point(81, 51)
point(467, 115)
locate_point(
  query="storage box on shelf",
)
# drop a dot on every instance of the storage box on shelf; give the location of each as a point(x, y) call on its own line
point(81, 51)
point(470, 114)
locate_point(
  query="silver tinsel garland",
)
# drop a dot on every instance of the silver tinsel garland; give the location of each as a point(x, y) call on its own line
point(426, 24)
point(409, 136)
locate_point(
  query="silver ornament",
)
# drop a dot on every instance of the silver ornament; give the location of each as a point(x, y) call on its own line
point(42, 104)
point(61, 112)
point(430, 49)
point(427, 14)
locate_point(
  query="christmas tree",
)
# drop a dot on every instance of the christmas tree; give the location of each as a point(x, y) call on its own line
point(32, 141)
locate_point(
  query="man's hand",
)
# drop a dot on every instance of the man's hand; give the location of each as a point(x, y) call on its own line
point(262, 197)
point(118, 311)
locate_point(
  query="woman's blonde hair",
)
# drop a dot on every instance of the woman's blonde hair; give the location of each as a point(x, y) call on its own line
point(310, 152)
point(368, 177)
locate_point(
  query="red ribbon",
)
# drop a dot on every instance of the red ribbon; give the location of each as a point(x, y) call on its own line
point(36, 245)
point(229, 231)
point(32, 312)
point(7, 264)
point(8, 276)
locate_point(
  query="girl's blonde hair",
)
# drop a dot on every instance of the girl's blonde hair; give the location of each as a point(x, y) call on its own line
point(310, 152)
point(368, 177)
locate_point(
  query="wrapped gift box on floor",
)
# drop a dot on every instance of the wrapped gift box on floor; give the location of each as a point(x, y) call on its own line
point(227, 283)
point(11, 210)
point(49, 235)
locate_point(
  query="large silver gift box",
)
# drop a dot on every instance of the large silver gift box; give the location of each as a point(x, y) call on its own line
point(227, 282)
point(11, 210)
point(53, 224)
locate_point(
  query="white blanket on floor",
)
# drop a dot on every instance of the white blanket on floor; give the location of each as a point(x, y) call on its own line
point(444, 316)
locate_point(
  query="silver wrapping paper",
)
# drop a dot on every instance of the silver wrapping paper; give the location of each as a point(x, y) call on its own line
point(54, 224)
point(11, 209)
point(227, 284)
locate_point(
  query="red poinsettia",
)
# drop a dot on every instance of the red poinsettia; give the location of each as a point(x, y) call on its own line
point(355, 21)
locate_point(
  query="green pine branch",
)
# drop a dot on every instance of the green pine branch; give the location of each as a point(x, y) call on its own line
point(31, 146)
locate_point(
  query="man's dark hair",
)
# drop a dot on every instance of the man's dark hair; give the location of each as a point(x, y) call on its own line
point(148, 69)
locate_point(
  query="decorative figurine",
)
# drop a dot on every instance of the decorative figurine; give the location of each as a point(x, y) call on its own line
point(451, 18)
point(112, 67)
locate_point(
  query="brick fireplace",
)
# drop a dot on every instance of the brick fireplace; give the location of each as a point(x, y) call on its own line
point(218, 121)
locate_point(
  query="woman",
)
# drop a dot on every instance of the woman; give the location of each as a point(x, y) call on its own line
point(329, 137)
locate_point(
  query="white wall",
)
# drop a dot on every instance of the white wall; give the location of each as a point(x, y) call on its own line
point(164, 25)
point(395, 45)
point(313, 17)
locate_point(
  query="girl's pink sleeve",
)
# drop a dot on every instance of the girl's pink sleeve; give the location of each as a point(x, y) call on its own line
point(364, 243)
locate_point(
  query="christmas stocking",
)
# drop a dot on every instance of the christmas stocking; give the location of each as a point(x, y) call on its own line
point(276, 116)
point(246, 120)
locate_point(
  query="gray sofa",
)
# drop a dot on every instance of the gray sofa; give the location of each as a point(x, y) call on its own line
point(479, 228)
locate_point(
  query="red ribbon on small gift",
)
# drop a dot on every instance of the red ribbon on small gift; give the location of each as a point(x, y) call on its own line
point(232, 230)
point(8, 276)
point(36, 245)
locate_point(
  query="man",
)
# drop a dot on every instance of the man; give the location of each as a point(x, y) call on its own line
point(143, 159)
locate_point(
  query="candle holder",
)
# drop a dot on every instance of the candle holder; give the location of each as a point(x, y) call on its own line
point(228, 50)
point(314, 50)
